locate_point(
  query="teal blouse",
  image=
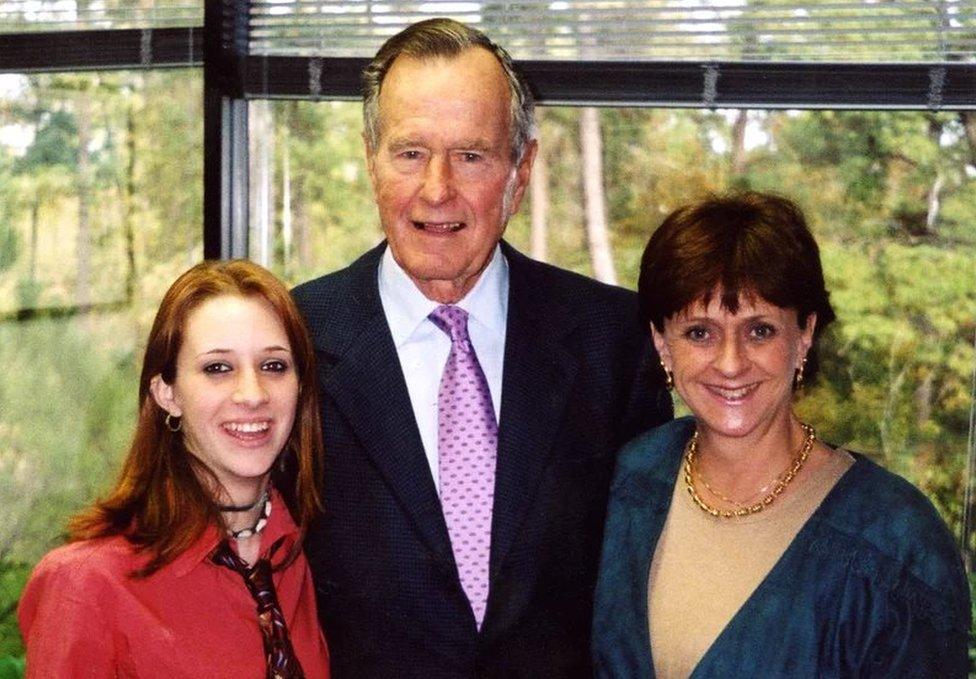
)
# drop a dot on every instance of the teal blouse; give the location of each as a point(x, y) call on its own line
point(872, 585)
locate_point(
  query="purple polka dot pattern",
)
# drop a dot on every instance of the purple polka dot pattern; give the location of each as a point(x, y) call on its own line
point(467, 446)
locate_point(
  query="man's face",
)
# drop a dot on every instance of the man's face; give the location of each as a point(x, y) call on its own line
point(442, 171)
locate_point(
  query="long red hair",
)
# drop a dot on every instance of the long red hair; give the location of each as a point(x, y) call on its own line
point(159, 502)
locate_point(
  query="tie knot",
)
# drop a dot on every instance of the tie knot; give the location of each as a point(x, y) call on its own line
point(453, 320)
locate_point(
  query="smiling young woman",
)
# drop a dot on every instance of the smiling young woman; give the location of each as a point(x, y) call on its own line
point(737, 543)
point(193, 564)
point(235, 391)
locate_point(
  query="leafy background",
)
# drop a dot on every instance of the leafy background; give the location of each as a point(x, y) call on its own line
point(100, 208)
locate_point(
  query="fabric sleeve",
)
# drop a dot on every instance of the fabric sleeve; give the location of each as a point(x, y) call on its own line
point(62, 616)
point(915, 611)
point(917, 640)
point(924, 605)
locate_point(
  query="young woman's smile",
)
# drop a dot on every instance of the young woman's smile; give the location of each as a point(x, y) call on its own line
point(235, 389)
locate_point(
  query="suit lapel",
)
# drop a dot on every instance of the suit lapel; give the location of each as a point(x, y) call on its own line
point(365, 381)
point(537, 377)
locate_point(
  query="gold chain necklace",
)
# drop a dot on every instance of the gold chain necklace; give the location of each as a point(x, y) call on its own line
point(725, 498)
point(737, 503)
point(778, 486)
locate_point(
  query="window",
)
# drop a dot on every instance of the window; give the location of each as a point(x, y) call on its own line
point(100, 209)
point(889, 195)
point(103, 191)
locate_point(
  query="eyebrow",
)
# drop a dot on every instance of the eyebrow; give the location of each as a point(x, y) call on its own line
point(404, 143)
point(269, 349)
point(463, 145)
point(474, 145)
point(700, 319)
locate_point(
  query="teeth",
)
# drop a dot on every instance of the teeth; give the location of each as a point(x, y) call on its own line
point(733, 394)
point(441, 227)
point(247, 427)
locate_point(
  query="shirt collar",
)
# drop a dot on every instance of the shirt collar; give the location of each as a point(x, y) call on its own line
point(406, 308)
point(279, 523)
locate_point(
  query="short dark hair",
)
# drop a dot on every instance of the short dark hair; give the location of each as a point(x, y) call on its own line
point(748, 243)
point(446, 38)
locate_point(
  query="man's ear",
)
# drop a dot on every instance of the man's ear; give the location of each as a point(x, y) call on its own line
point(164, 396)
point(523, 172)
point(370, 161)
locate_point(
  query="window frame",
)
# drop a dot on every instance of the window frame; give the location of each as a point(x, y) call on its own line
point(232, 77)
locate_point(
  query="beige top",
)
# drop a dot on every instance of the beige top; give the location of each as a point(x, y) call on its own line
point(705, 568)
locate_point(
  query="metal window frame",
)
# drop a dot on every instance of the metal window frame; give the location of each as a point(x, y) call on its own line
point(123, 48)
point(225, 131)
point(680, 84)
point(232, 77)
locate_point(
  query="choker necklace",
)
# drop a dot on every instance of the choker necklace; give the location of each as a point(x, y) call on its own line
point(244, 508)
point(778, 485)
point(258, 526)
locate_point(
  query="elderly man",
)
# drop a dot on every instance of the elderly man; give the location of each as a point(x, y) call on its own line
point(472, 399)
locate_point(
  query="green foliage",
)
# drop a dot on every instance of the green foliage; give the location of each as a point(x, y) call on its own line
point(28, 294)
point(13, 577)
point(9, 237)
point(9, 246)
point(334, 215)
point(68, 392)
point(11, 667)
point(56, 142)
point(891, 197)
point(66, 421)
point(897, 367)
point(165, 118)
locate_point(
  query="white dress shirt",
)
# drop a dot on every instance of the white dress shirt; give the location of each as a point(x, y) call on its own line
point(423, 347)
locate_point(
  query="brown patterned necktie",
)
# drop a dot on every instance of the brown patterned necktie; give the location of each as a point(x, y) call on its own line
point(282, 661)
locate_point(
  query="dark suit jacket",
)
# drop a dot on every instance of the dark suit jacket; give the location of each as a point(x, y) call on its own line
point(390, 600)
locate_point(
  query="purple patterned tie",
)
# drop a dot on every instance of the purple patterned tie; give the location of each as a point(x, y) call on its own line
point(467, 444)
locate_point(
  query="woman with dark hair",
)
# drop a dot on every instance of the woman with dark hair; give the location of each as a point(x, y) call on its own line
point(192, 566)
point(738, 544)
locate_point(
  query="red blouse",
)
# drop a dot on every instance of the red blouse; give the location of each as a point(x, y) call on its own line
point(82, 615)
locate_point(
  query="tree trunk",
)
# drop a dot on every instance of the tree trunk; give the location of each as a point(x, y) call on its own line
point(539, 195)
point(897, 373)
point(262, 181)
point(597, 234)
point(923, 399)
point(128, 204)
point(286, 227)
point(738, 151)
point(84, 189)
point(934, 202)
point(301, 236)
point(32, 246)
point(968, 119)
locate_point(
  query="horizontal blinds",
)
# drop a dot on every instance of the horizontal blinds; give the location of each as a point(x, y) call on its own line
point(863, 31)
point(29, 16)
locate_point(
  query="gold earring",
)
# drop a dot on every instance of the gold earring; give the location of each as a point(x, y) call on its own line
point(798, 375)
point(169, 423)
point(668, 377)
